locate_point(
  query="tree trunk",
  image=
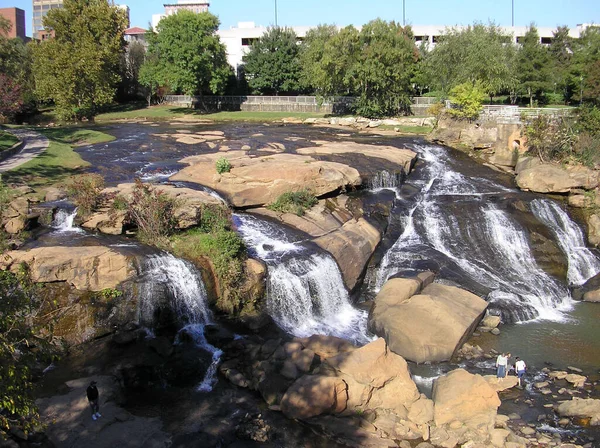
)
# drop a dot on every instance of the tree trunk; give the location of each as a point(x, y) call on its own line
point(530, 96)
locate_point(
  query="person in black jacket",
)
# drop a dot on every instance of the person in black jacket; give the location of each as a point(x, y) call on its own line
point(92, 396)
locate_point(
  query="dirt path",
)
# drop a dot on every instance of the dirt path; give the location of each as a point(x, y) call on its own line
point(35, 144)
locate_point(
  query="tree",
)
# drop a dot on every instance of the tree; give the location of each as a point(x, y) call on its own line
point(478, 53)
point(382, 73)
point(561, 54)
point(468, 98)
point(533, 65)
point(272, 65)
point(584, 67)
point(20, 347)
point(131, 62)
point(78, 69)
point(16, 80)
point(186, 55)
point(315, 60)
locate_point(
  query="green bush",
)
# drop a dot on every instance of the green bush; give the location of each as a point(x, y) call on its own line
point(551, 139)
point(85, 190)
point(294, 202)
point(467, 99)
point(223, 165)
point(588, 120)
point(553, 98)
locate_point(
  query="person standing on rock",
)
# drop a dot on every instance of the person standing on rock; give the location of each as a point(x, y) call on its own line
point(501, 365)
point(92, 396)
point(520, 368)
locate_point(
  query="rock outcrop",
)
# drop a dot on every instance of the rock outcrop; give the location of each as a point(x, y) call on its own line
point(256, 181)
point(426, 326)
point(580, 407)
point(553, 178)
point(92, 268)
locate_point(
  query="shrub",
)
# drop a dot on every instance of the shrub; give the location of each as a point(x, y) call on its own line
point(152, 211)
point(467, 99)
point(550, 138)
point(223, 165)
point(553, 98)
point(294, 202)
point(85, 190)
point(588, 120)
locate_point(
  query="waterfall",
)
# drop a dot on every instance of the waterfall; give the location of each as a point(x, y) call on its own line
point(63, 220)
point(583, 264)
point(305, 290)
point(385, 180)
point(182, 283)
point(457, 222)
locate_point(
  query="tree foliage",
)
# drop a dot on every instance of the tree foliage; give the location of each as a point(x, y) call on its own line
point(129, 67)
point(78, 69)
point(16, 78)
point(467, 99)
point(272, 65)
point(375, 65)
point(478, 53)
point(533, 65)
point(21, 346)
point(186, 55)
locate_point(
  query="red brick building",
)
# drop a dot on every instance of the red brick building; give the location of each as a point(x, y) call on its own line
point(16, 16)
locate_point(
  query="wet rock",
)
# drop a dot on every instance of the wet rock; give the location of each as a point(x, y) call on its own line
point(323, 346)
point(574, 369)
point(527, 431)
point(558, 375)
point(541, 384)
point(490, 321)
point(289, 370)
point(500, 384)
point(273, 388)
point(303, 359)
point(495, 331)
point(576, 380)
point(550, 178)
point(314, 395)
point(253, 427)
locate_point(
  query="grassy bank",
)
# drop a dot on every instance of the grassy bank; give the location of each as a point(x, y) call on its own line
point(7, 140)
point(165, 113)
point(59, 161)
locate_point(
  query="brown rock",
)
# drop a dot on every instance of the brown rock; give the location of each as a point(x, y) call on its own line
point(16, 224)
point(54, 194)
point(323, 346)
point(593, 223)
point(421, 411)
point(579, 407)
point(87, 268)
point(500, 384)
point(550, 178)
point(314, 395)
point(467, 398)
point(429, 326)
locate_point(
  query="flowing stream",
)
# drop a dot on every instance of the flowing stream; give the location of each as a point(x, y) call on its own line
point(462, 226)
point(166, 275)
point(305, 291)
point(63, 220)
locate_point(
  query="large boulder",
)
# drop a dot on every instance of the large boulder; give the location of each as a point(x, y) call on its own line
point(429, 326)
point(91, 268)
point(593, 232)
point(324, 346)
point(551, 178)
point(352, 246)
point(314, 395)
point(256, 181)
point(466, 398)
point(377, 378)
point(580, 407)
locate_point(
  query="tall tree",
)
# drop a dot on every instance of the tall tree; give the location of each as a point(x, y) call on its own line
point(584, 67)
point(316, 61)
point(79, 68)
point(382, 73)
point(478, 53)
point(16, 81)
point(131, 62)
point(561, 53)
point(272, 65)
point(533, 65)
point(186, 55)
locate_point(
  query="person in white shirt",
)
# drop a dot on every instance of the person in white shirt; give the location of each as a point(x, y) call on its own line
point(520, 368)
point(501, 365)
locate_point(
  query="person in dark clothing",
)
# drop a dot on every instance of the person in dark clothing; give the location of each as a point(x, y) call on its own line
point(92, 396)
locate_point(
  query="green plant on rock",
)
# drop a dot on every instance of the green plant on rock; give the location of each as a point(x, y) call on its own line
point(85, 190)
point(110, 293)
point(296, 202)
point(223, 165)
point(152, 211)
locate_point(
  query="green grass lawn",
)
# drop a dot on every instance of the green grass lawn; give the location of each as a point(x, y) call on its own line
point(174, 113)
point(59, 161)
point(414, 130)
point(7, 140)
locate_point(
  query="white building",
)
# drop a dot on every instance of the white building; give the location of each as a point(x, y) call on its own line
point(196, 6)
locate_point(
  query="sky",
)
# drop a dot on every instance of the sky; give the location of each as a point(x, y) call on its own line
point(358, 12)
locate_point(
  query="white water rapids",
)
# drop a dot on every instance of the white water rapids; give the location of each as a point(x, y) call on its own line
point(463, 224)
point(189, 299)
point(305, 290)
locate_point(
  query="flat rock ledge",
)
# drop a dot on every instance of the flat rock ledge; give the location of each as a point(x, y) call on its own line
point(424, 324)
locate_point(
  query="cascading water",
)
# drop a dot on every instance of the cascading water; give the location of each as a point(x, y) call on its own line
point(460, 222)
point(182, 282)
point(63, 221)
point(583, 264)
point(305, 291)
point(385, 180)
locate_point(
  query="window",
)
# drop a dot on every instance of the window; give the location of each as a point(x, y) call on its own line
point(546, 40)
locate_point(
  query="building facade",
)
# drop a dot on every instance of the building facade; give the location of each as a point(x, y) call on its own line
point(16, 17)
point(196, 6)
point(40, 9)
